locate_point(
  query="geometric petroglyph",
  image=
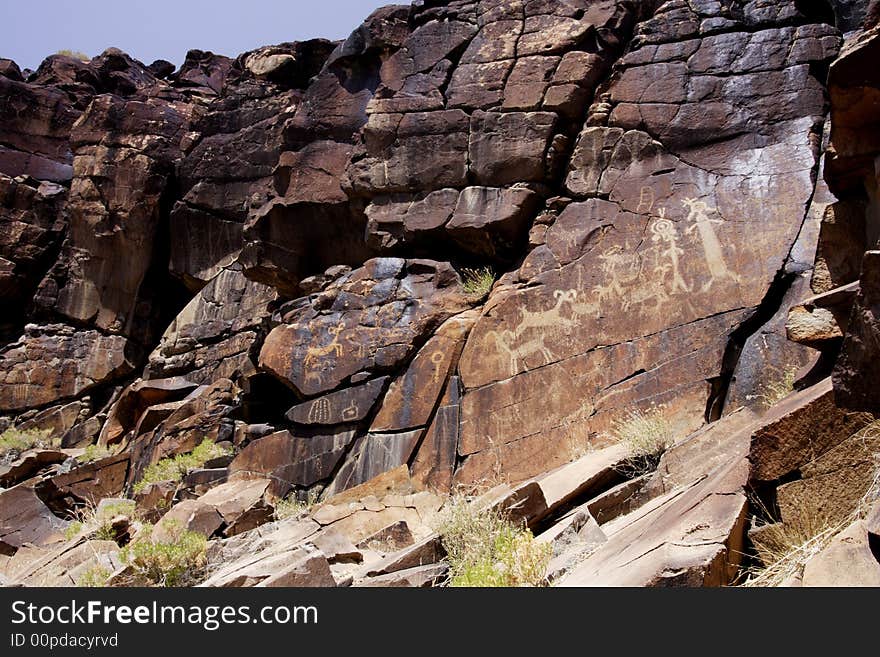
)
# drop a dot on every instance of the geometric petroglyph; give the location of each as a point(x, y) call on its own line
point(319, 412)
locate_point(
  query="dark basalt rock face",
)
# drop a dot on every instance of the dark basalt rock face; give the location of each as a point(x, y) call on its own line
point(281, 251)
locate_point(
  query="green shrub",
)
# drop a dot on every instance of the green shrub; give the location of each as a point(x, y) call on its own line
point(646, 434)
point(175, 468)
point(94, 577)
point(179, 560)
point(76, 54)
point(485, 548)
point(93, 453)
point(15, 441)
point(73, 529)
point(478, 281)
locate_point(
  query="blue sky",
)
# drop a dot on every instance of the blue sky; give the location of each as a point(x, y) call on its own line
point(165, 29)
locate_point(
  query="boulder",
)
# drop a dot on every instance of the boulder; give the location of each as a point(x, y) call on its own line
point(846, 561)
point(54, 362)
point(213, 336)
point(343, 407)
point(798, 430)
point(25, 520)
point(861, 345)
point(823, 318)
point(289, 460)
point(87, 483)
point(364, 324)
point(29, 464)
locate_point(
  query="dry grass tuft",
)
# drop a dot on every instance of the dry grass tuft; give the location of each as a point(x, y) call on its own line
point(178, 560)
point(293, 507)
point(647, 434)
point(784, 548)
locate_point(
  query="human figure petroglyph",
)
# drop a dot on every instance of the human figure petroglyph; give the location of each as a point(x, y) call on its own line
point(698, 213)
point(437, 359)
point(334, 347)
point(663, 230)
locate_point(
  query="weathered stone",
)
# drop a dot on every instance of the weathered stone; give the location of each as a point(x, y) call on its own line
point(289, 460)
point(691, 537)
point(404, 408)
point(32, 229)
point(395, 483)
point(433, 465)
point(369, 321)
point(346, 406)
point(291, 567)
point(509, 147)
point(858, 358)
point(29, 464)
point(124, 156)
point(336, 547)
point(843, 240)
point(800, 429)
point(407, 151)
point(491, 222)
point(190, 515)
point(427, 551)
point(36, 123)
point(373, 454)
point(409, 219)
point(327, 514)
point(58, 420)
point(392, 538)
point(418, 577)
point(847, 561)
point(854, 88)
point(136, 399)
point(528, 81)
point(55, 362)
point(66, 565)
point(213, 336)
point(25, 520)
point(89, 483)
point(822, 318)
point(833, 485)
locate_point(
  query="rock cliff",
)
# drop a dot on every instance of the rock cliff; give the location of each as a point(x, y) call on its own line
point(458, 250)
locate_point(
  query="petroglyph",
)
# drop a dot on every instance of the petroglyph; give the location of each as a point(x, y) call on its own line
point(698, 213)
point(646, 201)
point(529, 319)
point(334, 347)
point(664, 231)
point(319, 412)
point(622, 267)
point(506, 340)
point(437, 359)
point(350, 412)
